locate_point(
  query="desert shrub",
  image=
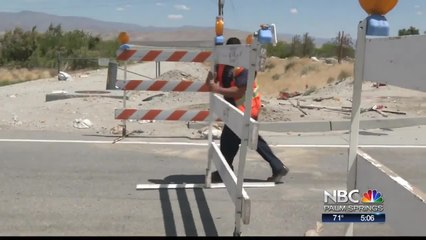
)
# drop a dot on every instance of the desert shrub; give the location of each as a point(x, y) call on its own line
point(331, 80)
point(289, 66)
point(309, 68)
point(310, 91)
point(269, 65)
point(12, 76)
point(4, 82)
point(344, 75)
point(276, 77)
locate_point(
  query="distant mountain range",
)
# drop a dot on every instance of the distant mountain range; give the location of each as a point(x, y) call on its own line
point(109, 30)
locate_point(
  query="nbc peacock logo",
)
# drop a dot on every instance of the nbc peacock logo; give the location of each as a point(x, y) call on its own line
point(372, 197)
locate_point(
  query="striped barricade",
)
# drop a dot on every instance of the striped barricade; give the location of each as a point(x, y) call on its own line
point(234, 55)
point(246, 128)
point(160, 85)
point(161, 115)
point(222, 110)
point(138, 54)
point(133, 53)
point(240, 55)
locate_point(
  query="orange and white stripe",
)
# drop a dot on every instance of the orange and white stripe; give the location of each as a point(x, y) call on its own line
point(165, 55)
point(161, 115)
point(161, 85)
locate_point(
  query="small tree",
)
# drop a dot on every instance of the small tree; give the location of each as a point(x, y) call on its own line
point(296, 46)
point(344, 45)
point(410, 31)
point(17, 46)
point(308, 45)
point(281, 50)
point(328, 49)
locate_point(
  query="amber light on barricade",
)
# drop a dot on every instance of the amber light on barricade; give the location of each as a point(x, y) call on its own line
point(219, 26)
point(123, 38)
point(379, 7)
point(249, 39)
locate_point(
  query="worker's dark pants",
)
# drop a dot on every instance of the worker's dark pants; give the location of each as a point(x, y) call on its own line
point(230, 143)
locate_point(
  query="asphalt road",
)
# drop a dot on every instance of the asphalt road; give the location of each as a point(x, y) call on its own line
point(55, 184)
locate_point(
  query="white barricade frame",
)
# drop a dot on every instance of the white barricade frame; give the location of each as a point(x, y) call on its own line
point(390, 64)
point(404, 203)
point(242, 124)
point(242, 206)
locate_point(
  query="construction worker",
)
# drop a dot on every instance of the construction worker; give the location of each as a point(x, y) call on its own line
point(231, 82)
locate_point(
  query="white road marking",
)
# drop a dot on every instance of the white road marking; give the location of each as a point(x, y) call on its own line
point(205, 144)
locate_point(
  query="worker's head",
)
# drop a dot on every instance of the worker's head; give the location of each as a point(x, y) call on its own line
point(233, 41)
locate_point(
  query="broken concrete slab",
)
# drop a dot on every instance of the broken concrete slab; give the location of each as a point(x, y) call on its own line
point(83, 94)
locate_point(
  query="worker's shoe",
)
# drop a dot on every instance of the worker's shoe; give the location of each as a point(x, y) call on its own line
point(216, 177)
point(276, 177)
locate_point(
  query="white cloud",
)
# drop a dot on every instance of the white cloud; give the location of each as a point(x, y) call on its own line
point(294, 11)
point(419, 13)
point(121, 9)
point(417, 6)
point(175, 16)
point(160, 4)
point(182, 7)
point(35, 1)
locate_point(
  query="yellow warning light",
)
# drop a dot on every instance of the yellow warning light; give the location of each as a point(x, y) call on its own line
point(219, 26)
point(381, 7)
point(249, 39)
point(123, 38)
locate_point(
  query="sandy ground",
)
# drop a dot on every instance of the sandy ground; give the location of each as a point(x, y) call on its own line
point(24, 105)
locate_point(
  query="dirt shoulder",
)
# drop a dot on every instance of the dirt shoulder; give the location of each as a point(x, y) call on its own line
point(24, 105)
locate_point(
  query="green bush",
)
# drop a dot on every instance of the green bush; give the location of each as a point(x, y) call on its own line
point(4, 82)
point(32, 49)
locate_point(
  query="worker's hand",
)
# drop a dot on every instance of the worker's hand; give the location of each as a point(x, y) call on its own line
point(213, 87)
point(210, 76)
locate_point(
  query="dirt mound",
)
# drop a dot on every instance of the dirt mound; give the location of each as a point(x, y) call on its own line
point(177, 75)
point(300, 75)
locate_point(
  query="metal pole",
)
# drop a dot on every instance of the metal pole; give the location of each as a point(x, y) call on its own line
point(112, 75)
point(59, 63)
point(157, 69)
point(221, 7)
point(124, 100)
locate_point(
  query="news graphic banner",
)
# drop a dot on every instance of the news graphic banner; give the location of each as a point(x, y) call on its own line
point(341, 206)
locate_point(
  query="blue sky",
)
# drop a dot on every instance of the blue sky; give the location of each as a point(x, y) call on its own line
point(320, 18)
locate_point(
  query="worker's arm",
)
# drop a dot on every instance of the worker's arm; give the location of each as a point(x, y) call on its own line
point(232, 92)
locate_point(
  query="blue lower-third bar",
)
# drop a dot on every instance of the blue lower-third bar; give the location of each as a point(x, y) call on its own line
point(354, 218)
